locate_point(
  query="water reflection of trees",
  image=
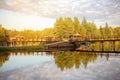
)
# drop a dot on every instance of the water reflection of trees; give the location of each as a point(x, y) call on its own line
point(63, 60)
point(3, 58)
point(67, 60)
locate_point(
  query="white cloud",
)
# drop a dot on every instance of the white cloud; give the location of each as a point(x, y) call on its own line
point(23, 21)
point(92, 9)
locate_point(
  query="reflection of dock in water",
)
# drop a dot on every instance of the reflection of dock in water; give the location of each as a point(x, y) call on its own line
point(116, 52)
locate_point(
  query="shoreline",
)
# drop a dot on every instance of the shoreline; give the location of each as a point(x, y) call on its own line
point(40, 48)
point(22, 48)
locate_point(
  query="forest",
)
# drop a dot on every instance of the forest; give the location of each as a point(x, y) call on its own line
point(63, 28)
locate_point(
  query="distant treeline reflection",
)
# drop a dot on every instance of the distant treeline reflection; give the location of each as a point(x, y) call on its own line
point(63, 60)
point(67, 60)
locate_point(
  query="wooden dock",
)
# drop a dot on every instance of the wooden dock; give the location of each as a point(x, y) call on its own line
point(76, 44)
point(60, 44)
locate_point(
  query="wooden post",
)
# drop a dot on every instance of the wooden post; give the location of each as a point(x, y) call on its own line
point(114, 46)
point(93, 47)
point(102, 46)
point(110, 46)
point(88, 46)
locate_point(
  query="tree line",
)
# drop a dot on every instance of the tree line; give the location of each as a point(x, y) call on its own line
point(63, 28)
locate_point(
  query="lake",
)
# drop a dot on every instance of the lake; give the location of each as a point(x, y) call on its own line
point(64, 65)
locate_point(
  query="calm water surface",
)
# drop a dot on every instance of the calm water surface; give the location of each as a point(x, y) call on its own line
point(59, 66)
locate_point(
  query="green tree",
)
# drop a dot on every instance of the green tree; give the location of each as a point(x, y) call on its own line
point(13, 33)
point(101, 31)
point(117, 31)
point(78, 28)
point(107, 30)
point(3, 33)
point(48, 32)
point(64, 27)
point(94, 32)
point(68, 27)
point(84, 22)
point(76, 25)
point(85, 26)
point(59, 27)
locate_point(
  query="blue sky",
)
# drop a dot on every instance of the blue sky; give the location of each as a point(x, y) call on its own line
point(40, 14)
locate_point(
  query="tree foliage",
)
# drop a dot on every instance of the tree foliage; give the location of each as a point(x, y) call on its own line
point(3, 33)
point(64, 28)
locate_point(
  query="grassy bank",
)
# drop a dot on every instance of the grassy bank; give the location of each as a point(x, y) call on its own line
point(21, 48)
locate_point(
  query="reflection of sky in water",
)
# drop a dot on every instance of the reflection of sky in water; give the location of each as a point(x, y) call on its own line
point(46, 69)
point(22, 60)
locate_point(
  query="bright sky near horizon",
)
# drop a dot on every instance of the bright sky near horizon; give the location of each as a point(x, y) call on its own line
point(40, 14)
